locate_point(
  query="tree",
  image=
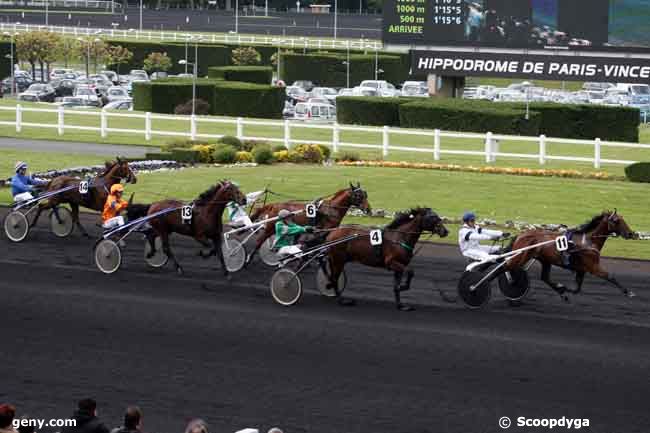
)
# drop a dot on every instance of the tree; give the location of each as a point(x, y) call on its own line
point(117, 55)
point(245, 56)
point(52, 47)
point(27, 49)
point(42, 48)
point(92, 50)
point(157, 62)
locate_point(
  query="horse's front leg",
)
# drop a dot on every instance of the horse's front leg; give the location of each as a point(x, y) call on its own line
point(398, 272)
point(580, 278)
point(164, 236)
point(75, 218)
point(607, 276)
point(546, 277)
point(206, 243)
point(217, 248)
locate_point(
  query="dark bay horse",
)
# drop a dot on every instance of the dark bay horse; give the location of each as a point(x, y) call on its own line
point(587, 241)
point(205, 226)
point(395, 252)
point(98, 191)
point(329, 215)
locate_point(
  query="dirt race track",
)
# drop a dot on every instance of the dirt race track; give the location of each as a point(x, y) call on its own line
point(198, 345)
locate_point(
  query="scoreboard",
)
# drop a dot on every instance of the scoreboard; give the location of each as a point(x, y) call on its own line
point(422, 21)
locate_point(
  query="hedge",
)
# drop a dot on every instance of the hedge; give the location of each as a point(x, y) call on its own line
point(247, 74)
point(248, 100)
point(638, 172)
point(465, 116)
point(327, 69)
point(162, 96)
point(159, 156)
point(5, 63)
point(364, 110)
point(185, 155)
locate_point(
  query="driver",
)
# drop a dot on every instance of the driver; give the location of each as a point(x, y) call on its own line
point(114, 205)
point(237, 213)
point(287, 232)
point(470, 235)
point(22, 184)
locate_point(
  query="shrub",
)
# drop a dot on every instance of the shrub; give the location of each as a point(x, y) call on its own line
point(362, 110)
point(638, 172)
point(161, 156)
point(185, 155)
point(156, 62)
point(281, 155)
point(244, 156)
point(347, 155)
point(263, 154)
point(205, 152)
point(225, 154)
point(163, 96)
point(327, 152)
point(245, 56)
point(249, 100)
point(179, 143)
point(231, 141)
point(279, 148)
point(249, 145)
point(294, 157)
point(245, 74)
point(201, 108)
point(310, 153)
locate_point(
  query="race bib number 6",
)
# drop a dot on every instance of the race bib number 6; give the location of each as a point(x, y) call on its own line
point(186, 214)
point(375, 238)
point(83, 187)
point(561, 243)
point(310, 210)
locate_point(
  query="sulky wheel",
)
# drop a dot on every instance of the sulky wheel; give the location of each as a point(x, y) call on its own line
point(472, 296)
point(286, 287)
point(322, 280)
point(62, 224)
point(234, 255)
point(159, 259)
point(108, 256)
point(514, 284)
point(16, 226)
point(267, 254)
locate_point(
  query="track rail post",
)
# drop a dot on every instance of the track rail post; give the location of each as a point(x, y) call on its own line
point(597, 153)
point(385, 141)
point(436, 145)
point(147, 126)
point(542, 149)
point(61, 120)
point(19, 118)
point(335, 137)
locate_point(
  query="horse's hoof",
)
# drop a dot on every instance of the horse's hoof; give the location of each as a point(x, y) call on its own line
point(179, 271)
point(630, 294)
point(345, 302)
point(86, 235)
point(404, 307)
point(151, 254)
point(565, 298)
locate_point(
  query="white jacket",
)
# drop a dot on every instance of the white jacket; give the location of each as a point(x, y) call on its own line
point(469, 238)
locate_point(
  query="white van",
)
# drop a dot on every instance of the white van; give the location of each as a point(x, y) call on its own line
point(315, 111)
point(639, 94)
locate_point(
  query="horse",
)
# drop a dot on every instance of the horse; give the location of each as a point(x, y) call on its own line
point(329, 214)
point(394, 254)
point(587, 242)
point(99, 188)
point(206, 224)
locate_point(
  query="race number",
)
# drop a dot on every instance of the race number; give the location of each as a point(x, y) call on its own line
point(310, 210)
point(375, 238)
point(186, 214)
point(83, 187)
point(561, 243)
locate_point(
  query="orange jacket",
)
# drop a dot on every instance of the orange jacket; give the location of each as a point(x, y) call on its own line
point(113, 207)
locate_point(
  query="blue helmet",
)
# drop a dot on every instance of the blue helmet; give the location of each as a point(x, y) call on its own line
point(468, 216)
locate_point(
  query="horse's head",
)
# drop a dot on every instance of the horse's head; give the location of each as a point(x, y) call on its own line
point(120, 170)
point(358, 197)
point(616, 225)
point(431, 222)
point(230, 192)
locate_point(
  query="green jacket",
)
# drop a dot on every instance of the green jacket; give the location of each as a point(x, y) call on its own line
point(286, 233)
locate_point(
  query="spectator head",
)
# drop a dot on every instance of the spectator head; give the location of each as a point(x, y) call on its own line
point(7, 414)
point(132, 418)
point(275, 430)
point(196, 426)
point(27, 427)
point(88, 406)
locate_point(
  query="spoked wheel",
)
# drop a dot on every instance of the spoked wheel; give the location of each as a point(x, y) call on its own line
point(16, 226)
point(473, 296)
point(267, 254)
point(159, 258)
point(514, 284)
point(108, 256)
point(63, 225)
point(323, 280)
point(234, 255)
point(286, 287)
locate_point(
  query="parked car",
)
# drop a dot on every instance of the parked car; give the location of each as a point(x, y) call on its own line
point(22, 83)
point(112, 76)
point(73, 102)
point(415, 88)
point(325, 92)
point(296, 94)
point(639, 94)
point(597, 86)
point(161, 74)
point(306, 85)
point(58, 73)
point(289, 110)
point(124, 104)
point(88, 95)
point(315, 111)
point(346, 92)
point(383, 88)
point(139, 73)
point(45, 92)
point(319, 101)
point(63, 87)
point(116, 93)
point(28, 96)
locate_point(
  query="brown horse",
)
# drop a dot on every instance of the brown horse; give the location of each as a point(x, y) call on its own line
point(329, 215)
point(587, 241)
point(205, 225)
point(395, 252)
point(99, 188)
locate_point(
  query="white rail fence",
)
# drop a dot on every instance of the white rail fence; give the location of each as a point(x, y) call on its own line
point(180, 36)
point(434, 138)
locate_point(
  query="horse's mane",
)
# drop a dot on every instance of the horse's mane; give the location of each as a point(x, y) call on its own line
point(209, 193)
point(402, 217)
point(592, 224)
point(108, 166)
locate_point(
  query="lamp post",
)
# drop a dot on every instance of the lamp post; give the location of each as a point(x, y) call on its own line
point(11, 57)
point(336, 9)
point(140, 15)
point(185, 62)
point(236, 16)
point(88, 43)
point(47, 13)
point(187, 40)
